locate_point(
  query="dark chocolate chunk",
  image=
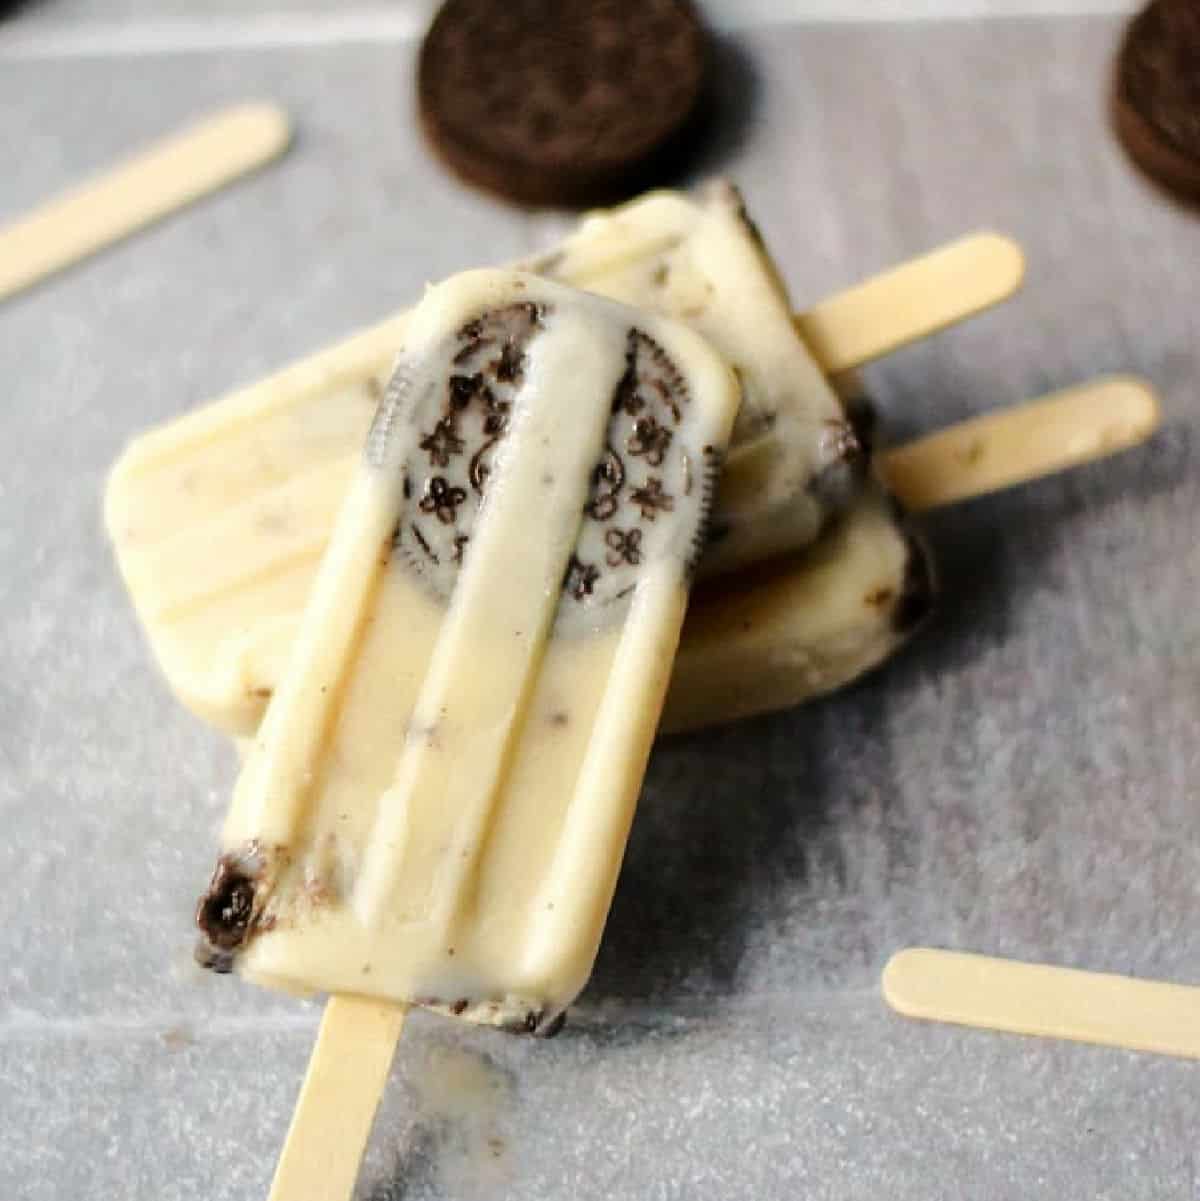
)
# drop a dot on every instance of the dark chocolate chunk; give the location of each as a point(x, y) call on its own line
point(228, 910)
point(1156, 101)
point(562, 102)
point(225, 910)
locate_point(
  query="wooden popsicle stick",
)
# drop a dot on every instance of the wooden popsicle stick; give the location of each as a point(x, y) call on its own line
point(912, 301)
point(341, 1090)
point(1046, 1001)
point(1040, 437)
point(152, 184)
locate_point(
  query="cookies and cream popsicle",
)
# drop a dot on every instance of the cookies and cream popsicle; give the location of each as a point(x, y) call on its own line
point(436, 805)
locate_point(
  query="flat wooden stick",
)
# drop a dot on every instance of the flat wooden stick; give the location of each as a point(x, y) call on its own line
point(1050, 1002)
point(154, 183)
point(1011, 446)
point(912, 301)
point(345, 1079)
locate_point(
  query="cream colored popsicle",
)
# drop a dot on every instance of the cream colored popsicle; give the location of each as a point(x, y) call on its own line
point(261, 473)
point(435, 809)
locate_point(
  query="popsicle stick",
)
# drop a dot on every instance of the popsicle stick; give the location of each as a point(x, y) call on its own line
point(332, 1121)
point(1046, 1001)
point(998, 450)
point(912, 301)
point(159, 180)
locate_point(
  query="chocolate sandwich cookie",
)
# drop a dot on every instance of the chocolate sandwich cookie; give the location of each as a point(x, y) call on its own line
point(562, 102)
point(1156, 107)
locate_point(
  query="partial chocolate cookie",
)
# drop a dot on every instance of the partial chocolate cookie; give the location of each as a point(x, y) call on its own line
point(562, 102)
point(1156, 106)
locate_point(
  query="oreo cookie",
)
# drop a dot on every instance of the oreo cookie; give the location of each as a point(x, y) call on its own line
point(562, 102)
point(1156, 105)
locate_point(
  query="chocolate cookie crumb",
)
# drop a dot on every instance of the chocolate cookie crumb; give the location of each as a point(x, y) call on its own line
point(227, 912)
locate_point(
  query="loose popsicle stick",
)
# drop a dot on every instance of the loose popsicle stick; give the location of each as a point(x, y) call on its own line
point(912, 301)
point(989, 453)
point(341, 1090)
point(1046, 1001)
point(152, 184)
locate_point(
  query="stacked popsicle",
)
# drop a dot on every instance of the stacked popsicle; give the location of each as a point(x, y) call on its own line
point(261, 473)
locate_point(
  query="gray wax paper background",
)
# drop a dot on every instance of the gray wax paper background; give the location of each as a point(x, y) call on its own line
point(1021, 781)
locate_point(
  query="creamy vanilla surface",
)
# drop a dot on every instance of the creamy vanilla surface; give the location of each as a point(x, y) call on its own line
point(435, 808)
point(804, 624)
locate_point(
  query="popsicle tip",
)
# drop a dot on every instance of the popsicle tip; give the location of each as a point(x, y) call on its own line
point(896, 978)
point(262, 123)
point(1007, 259)
point(1133, 402)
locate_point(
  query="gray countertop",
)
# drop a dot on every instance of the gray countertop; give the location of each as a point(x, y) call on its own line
point(1021, 781)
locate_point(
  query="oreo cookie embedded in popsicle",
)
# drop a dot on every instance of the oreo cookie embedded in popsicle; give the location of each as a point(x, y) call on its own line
point(562, 102)
point(1156, 106)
